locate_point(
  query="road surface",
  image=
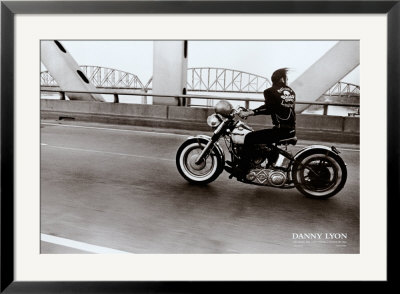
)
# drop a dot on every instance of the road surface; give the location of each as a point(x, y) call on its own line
point(109, 188)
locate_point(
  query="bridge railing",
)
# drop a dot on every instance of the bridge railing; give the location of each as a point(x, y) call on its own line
point(184, 99)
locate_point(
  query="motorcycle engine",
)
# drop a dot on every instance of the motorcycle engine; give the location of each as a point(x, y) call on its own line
point(266, 177)
point(259, 158)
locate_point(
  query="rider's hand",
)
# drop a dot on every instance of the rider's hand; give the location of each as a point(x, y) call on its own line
point(245, 114)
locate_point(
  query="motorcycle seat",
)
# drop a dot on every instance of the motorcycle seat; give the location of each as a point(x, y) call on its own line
point(288, 141)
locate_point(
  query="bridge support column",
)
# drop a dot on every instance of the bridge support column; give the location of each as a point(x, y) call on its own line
point(327, 71)
point(67, 73)
point(169, 71)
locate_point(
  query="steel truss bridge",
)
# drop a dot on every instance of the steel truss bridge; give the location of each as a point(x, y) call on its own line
point(100, 77)
point(210, 79)
point(202, 79)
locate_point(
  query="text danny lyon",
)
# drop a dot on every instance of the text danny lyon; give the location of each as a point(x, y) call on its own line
point(319, 236)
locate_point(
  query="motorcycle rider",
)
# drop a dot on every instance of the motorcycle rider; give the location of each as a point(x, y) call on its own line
point(279, 103)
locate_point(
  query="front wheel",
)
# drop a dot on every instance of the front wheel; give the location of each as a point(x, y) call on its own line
point(203, 173)
point(319, 174)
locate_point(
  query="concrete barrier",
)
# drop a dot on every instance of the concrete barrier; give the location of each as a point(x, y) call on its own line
point(351, 124)
point(309, 127)
point(260, 121)
point(188, 113)
point(320, 122)
point(136, 110)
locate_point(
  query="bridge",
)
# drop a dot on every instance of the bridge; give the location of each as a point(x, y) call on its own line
point(109, 182)
point(101, 77)
point(202, 79)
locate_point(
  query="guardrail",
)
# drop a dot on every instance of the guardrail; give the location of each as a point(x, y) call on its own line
point(184, 99)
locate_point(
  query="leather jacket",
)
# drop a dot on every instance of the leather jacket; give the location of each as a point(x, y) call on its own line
point(279, 103)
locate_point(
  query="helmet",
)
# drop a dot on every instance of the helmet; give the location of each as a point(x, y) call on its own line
point(223, 108)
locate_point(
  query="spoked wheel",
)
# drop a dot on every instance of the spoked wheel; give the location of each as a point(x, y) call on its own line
point(204, 172)
point(319, 175)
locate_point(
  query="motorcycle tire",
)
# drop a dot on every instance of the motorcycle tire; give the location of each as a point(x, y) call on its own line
point(319, 174)
point(203, 173)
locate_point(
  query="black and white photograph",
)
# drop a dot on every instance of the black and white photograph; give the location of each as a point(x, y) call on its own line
point(200, 146)
point(153, 146)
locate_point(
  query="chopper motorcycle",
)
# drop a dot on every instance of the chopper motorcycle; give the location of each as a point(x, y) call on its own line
point(317, 171)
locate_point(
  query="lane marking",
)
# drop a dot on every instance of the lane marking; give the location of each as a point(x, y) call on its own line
point(111, 129)
point(159, 133)
point(106, 152)
point(80, 245)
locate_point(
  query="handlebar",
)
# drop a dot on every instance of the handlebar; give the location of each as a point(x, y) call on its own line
point(238, 109)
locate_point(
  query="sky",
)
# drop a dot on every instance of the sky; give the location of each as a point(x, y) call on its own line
point(256, 57)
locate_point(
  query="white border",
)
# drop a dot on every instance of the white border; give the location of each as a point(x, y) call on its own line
point(370, 264)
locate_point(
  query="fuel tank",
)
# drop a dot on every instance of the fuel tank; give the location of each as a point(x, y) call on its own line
point(240, 132)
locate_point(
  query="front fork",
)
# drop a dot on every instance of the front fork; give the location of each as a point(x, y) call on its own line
point(210, 144)
point(206, 149)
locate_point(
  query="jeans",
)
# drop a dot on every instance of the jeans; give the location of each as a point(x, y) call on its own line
point(268, 136)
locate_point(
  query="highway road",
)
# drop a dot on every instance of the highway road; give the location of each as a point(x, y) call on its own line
point(110, 188)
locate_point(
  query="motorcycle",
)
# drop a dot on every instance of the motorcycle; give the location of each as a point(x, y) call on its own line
point(317, 171)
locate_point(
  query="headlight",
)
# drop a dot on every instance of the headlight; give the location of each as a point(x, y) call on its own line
point(213, 120)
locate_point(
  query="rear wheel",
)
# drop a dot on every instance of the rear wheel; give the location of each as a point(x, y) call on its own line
point(319, 174)
point(203, 173)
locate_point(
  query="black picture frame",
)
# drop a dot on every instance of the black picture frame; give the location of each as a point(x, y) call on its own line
point(8, 11)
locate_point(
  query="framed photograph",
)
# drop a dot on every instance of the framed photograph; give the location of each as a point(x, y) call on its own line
point(150, 143)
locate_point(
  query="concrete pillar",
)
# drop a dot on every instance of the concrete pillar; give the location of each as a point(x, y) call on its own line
point(169, 71)
point(66, 71)
point(327, 71)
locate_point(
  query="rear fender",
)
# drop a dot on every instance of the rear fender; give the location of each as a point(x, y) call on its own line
point(203, 139)
point(332, 151)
